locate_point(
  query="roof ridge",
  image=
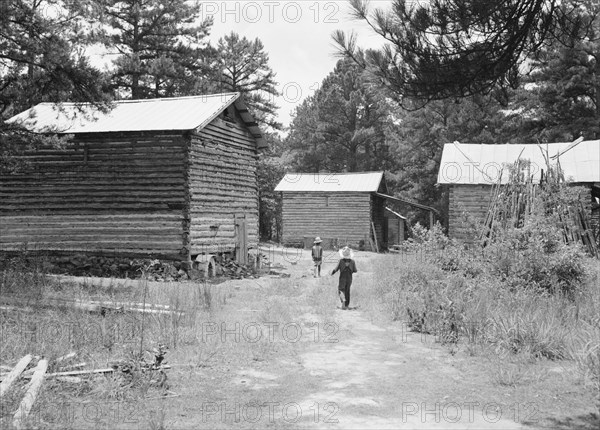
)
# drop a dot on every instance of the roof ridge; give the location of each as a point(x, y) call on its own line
point(336, 173)
point(159, 99)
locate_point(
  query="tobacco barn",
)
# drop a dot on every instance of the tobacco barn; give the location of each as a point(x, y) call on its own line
point(341, 208)
point(470, 170)
point(168, 178)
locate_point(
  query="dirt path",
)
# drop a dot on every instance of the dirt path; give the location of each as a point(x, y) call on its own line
point(380, 378)
point(375, 377)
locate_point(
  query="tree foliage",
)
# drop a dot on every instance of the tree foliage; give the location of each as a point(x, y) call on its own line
point(456, 48)
point(41, 59)
point(241, 65)
point(563, 95)
point(40, 55)
point(160, 45)
point(341, 127)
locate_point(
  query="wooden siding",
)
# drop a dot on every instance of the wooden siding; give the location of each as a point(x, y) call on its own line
point(115, 193)
point(467, 208)
point(342, 216)
point(222, 185)
point(379, 221)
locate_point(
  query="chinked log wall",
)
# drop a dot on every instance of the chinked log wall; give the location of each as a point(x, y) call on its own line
point(110, 193)
point(468, 206)
point(223, 185)
point(343, 216)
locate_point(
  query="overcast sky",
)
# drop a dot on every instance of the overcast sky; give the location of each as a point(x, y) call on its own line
point(296, 35)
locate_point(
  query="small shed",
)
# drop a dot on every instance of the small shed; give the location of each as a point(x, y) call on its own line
point(169, 178)
point(343, 208)
point(470, 170)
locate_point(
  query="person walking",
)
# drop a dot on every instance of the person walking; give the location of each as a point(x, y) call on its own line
point(317, 256)
point(346, 266)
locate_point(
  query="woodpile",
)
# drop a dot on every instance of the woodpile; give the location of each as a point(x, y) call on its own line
point(102, 307)
point(234, 270)
point(105, 266)
point(38, 374)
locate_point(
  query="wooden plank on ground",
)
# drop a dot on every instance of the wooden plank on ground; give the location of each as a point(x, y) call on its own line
point(31, 394)
point(14, 374)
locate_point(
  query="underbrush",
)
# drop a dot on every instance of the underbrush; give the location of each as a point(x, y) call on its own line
point(528, 295)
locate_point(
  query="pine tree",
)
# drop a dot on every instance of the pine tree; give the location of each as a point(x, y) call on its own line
point(160, 46)
point(455, 48)
point(41, 60)
point(241, 65)
point(341, 127)
point(40, 43)
point(565, 83)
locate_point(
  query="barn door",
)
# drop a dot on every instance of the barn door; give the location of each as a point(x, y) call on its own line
point(241, 239)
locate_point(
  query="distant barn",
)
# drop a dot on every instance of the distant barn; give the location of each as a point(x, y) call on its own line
point(169, 178)
point(469, 171)
point(341, 208)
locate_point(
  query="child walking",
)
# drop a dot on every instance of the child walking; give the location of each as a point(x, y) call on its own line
point(317, 256)
point(346, 266)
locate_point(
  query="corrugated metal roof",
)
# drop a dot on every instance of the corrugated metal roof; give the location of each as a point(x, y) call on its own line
point(367, 182)
point(483, 164)
point(166, 114)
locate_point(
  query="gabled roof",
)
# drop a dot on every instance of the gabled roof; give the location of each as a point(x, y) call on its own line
point(482, 164)
point(368, 182)
point(166, 114)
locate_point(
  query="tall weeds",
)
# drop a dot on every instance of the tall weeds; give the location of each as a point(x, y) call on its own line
point(527, 293)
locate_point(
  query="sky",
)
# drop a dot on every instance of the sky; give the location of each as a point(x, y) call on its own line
point(297, 37)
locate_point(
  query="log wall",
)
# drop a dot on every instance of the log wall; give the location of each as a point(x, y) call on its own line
point(467, 209)
point(114, 193)
point(342, 216)
point(222, 185)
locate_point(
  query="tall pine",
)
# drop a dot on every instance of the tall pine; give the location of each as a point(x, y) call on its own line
point(242, 65)
point(160, 46)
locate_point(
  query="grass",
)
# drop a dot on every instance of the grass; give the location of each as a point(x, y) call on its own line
point(197, 336)
point(515, 326)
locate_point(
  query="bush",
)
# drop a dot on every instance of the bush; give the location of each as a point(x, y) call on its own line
point(535, 257)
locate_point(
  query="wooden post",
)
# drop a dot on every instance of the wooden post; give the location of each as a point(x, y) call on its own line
point(431, 220)
point(241, 239)
point(14, 374)
point(31, 394)
point(375, 236)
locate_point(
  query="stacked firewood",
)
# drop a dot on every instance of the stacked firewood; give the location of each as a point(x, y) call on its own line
point(234, 270)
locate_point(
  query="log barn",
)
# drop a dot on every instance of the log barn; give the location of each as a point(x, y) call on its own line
point(169, 178)
point(341, 208)
point(470, 170)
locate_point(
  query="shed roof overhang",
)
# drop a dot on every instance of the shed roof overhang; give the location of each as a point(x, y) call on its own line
point(409, 202)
